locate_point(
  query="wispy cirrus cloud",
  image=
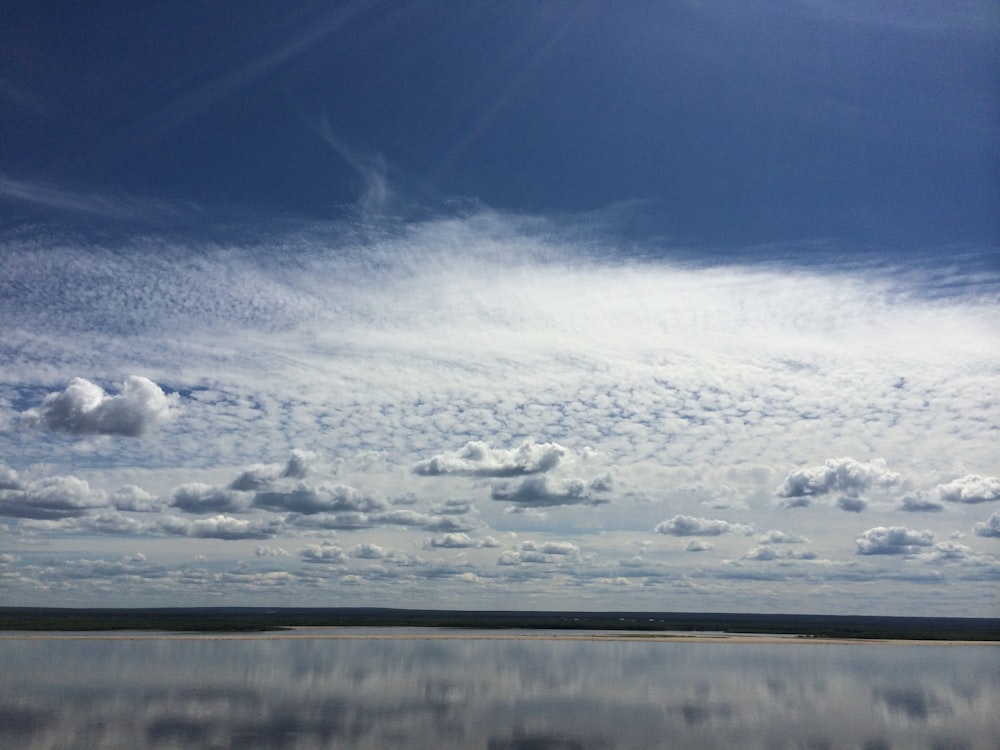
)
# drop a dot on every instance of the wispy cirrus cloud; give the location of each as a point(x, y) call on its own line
point(121, 207)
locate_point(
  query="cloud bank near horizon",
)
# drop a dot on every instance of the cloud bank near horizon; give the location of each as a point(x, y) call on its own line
point(414, 406)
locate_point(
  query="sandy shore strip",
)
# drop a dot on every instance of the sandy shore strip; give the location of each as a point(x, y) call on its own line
point(335, 634)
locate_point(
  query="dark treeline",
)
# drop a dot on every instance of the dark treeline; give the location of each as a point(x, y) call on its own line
point(256, 619)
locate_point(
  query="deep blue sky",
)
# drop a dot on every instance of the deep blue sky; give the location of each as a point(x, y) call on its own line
point(731, 124)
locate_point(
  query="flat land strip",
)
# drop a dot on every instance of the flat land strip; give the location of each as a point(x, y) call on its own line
point(231, 621)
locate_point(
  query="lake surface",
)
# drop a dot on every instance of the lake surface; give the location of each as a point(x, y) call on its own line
point(469, 692)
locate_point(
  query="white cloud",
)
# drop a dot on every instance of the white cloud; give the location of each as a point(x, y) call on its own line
point(50, 498)
point(368, 551)
point(83, 408)
point(205, 498)
point(989, 527)
point(110, 522)
point(509, 557)
point(681, 525)
point(970, 489)
point(920, 503)
point(454, 507)
point(256, 477)
point(843, 475)
point(8, 478)
point(948, 552)
point(306, 499)
point(442, 523)
point(327, 552)
point(478, 458)
point(459, 540)
point(776, 536)
point(763, 554)
point(264, 550)
point(698, 545)
point(135, 499)
point(227, 527)
point(894, 540)
point(851, 504)
point(545, 492)
point(559, 548)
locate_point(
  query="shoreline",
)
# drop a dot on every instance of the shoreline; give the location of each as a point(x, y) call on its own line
point(484, 636)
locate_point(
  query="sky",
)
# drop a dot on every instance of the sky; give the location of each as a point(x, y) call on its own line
point(686, 306)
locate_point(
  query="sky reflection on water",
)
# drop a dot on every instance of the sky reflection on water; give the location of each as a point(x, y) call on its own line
point(493, 694)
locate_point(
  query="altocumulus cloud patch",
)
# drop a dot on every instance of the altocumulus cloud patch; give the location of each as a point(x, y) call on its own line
point(480, 410)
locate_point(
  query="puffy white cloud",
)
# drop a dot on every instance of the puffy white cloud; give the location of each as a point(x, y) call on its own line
point(508, 557)
point(111, 522)
point(406, 517)
point(989, 527)
point(761, 554)
point(457, 540)
point(447, 523)
point(970, 489)
point(264, 550)
point(776, 536)
point(949, 552)
point(454, 507)
point(327, 552)
point(135, 499)
point(299, 464)
point(368, 551)
point(50, 498)
point(544, 553)
point(261, 476)
point(331, 521)
point(894, 540)
point(197, 497)
point(681, 525)
point(544, 492)
point(920, 503)
point(698, 545)
point(559, 548)
point(851, 504)
point(8, 478)
point(227, 527)
point(480, 459)
point(83, 408)
point(844, 475)
point(256, 477)
point(324, 498)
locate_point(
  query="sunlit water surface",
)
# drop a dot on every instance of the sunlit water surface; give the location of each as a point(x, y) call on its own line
point(261, 692)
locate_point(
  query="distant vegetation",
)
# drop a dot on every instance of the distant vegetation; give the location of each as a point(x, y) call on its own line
point(259, 619)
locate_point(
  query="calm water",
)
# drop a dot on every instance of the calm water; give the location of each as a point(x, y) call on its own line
point(494, 694)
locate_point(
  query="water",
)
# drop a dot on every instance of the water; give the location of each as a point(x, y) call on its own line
point(546, 694)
